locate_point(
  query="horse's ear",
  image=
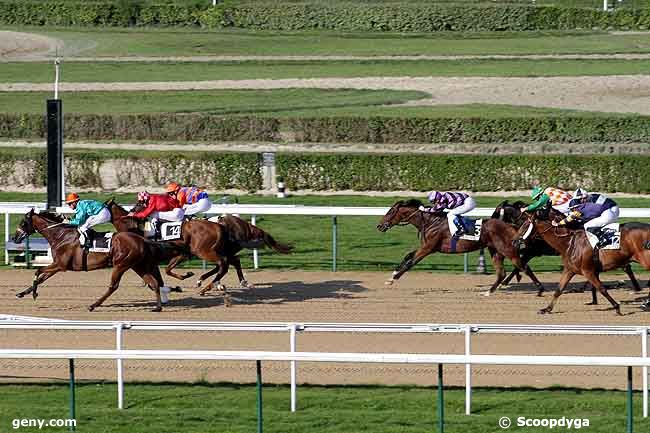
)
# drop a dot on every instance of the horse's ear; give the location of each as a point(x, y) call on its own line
point(31, 212)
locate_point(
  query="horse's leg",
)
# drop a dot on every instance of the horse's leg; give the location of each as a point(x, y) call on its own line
point(208, 274)
point(116, 276)
point(633, 280)
point(533, 277)
point(514, 273)
point(564, 281)
point(410, 260)
point(40, 276)
point(595, 281)
point(240, 273)
point(497, 261)
point(223, 269)
point(175, 262)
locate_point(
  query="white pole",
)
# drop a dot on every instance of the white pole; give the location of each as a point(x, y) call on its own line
point(292, 348)
point(644, 353)
point(120, 376)
point(468, 372)
point(57, 64)
point(6, 238)
point(605, 5)
point(255, 256)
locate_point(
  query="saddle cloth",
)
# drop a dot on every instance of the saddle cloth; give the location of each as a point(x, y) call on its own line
point(611, 235)
point(100, 242)
point(473, 229)
point(169, 231)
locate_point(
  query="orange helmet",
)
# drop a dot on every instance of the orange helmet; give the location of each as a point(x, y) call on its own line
point(72, 197)
point(172, 187)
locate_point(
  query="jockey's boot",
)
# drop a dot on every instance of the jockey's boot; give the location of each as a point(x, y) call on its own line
point(598, 232)
point(84, 239)
point(460, 226)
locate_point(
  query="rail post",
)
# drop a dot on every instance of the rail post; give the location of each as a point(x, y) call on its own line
point(644, 353)
point(441, 403)
point(6, 238)
point(260, 424)
point(334, 228)
point(120, 373)
point(256, 263)
point(630, 412)
point(465, 263)
point(28, 262)
point(292, 348)
point(72, 391)
point(468, 372)
point(480, 268)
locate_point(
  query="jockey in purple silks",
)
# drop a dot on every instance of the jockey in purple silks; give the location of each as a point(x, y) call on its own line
point(454, 204)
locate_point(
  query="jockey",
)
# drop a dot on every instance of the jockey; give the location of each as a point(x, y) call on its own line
point(454, 204)
point(159, 206)
point(88, 213)
point(192, 199)
point(594, 210)
point(558, 198)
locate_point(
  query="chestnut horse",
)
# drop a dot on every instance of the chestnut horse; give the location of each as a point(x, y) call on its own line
point(536, 247)
point(433, 230)
point(578, 256)
point(128, 251)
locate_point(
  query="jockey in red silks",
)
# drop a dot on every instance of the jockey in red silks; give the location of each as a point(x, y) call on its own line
point(454, 204)
point(159, 206)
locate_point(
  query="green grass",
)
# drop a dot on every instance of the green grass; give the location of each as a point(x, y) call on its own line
point(198, 71)
point(243, 102)
point(235, 42)
point(360, 245)
point(223, 408)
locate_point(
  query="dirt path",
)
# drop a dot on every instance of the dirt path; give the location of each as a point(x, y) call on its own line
point(322, 297)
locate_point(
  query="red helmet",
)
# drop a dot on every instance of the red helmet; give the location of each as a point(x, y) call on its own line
point(71, 198)
point(143, 196)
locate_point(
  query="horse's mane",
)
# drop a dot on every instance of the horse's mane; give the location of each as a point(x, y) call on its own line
point(51, 216)
point(112, 201)
point(413, 202)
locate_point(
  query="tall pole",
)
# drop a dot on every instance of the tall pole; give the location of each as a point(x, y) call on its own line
point(72, 391)
point(630, 412)
point(55, 176)
point(441, 402)
point(260, 423)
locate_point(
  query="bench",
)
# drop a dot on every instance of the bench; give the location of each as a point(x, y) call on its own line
point(39, 249)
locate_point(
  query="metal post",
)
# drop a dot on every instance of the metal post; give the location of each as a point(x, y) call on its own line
point(480, 268)
point(441, 405)
point(334, 244)
point(6, 238)
point(644, 353)
point(120, 377)
point(605, 5)
point(72, 400)
point(259, 397)
point(465, 263)
point(292, 348)
point(468, 372)
point(255, 254)
point(28, 262)
point(630, 412)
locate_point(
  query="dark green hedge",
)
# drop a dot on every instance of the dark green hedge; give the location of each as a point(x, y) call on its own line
point(399, 172)
point(394, 17)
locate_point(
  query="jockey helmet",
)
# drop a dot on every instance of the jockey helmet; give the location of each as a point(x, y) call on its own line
point(72, 197)
point(143, 196)
point(536, 192)
point(172, 187)
point(434, 196)
point(580, 194)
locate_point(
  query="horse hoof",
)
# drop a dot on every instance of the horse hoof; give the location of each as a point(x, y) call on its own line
point(20, 295)
point(189, 274)
point(389, 282)
point(227, 301)
point(645, 306)
point(221, 287)
point(245, 284)
point(592, 303)
point(91, 308)
point(198, 283)
point(34, 295)
point(157, 310)
point(176, 289)
point(618, 311)
point(486, 293)
point(544, 311)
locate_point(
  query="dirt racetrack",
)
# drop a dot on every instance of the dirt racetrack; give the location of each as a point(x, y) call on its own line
point(294, 296)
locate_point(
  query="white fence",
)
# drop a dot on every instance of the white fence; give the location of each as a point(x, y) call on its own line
point(256, 209)
point(467, 330)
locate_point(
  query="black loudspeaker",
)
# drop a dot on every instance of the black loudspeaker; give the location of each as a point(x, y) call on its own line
point(54, 153)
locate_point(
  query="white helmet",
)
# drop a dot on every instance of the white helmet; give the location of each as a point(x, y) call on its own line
point(580, 194)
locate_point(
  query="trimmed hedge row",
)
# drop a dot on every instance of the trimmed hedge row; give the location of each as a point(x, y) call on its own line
point(393, 17)
point(85, 168)
point(398, 172)
point(199, 127)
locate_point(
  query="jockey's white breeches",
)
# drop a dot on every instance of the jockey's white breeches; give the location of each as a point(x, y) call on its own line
point(104, 216)
point(467, 206)
point(176, 214)
point(202, 205)
point(607, 217)
point(564, 207)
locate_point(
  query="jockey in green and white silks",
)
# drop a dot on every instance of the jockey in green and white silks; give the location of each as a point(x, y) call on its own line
point(558, 198)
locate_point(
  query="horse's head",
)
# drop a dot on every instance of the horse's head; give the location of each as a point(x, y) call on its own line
point(509, 212)
point(400, 212)
point(25, 228)
point(526, 230)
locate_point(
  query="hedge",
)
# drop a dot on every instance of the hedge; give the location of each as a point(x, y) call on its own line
point(399, 172)
point(200, 127)
point(393, 17)
point(85, 168)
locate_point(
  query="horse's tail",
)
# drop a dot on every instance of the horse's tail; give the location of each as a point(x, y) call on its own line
point(275, 245)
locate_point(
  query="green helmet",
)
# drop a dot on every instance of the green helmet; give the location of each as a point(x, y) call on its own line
point(536, 192)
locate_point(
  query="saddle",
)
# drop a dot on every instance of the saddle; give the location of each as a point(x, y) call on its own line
point(609, 237)
point(472, 228)
point(97, 242)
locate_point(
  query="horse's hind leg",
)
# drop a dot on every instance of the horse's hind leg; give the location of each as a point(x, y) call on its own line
point(203, 277)
point(240, 273)
point(172, 265)
point(497, 261)
point(628, 270)
point(595, 281)
point(223, 269)
point(116, 276)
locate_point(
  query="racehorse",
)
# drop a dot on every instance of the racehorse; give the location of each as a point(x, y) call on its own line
point(433, 230)
point(578, 256)
point(227, 238)
point(536, 247)
point(128, 251)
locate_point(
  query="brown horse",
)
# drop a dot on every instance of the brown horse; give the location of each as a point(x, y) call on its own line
point(578, 256)
point(128, 251)
point(433, 230)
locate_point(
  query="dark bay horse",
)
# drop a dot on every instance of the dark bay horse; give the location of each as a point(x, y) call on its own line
point(128, 251)
point(537, 247)
point(433, 230)
point(578, 257)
